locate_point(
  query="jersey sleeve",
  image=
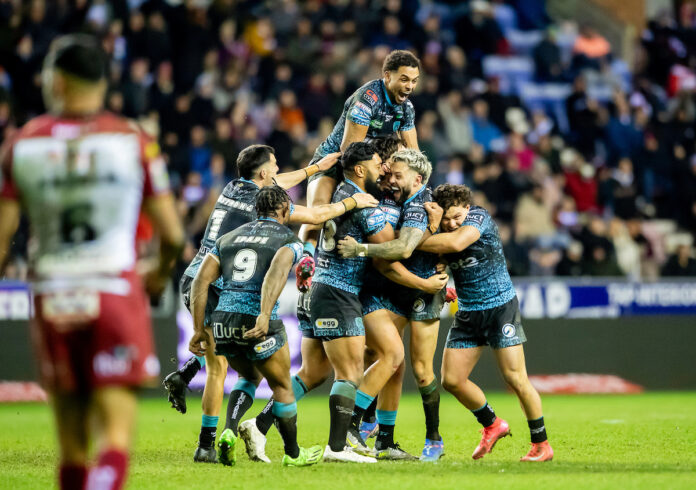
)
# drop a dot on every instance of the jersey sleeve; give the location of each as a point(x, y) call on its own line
point(372, 220)
point(296, 247)
point(415, 216)
point(215, 251)
point(409, 116)
point(156, 176)
point(478, 218)
point(292, 208)
point(8, 190)
point(363, 107)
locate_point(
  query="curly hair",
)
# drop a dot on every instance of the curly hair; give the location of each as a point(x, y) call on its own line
point(355, 153)
point(271, 200)
point(398, 58)
point(448, 195)
point(416, 161)
point(386, 146)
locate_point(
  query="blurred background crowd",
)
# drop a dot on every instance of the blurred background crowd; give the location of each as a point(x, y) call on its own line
point(587, 161)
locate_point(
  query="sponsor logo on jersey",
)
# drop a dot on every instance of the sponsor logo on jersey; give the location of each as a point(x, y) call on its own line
point(419, 305)
point(414, 216)
point(376, 124)
point(326, 323)
point(464, 263)
point(265, 346)
point(375, 220)
point(370, 96)
point(475, 217)
point(509, 330)
point(251, 239)
point(388, 117)
point(232, 203)
point(115, 363)
point(360, 115)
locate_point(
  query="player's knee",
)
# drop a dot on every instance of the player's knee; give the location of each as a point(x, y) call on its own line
point(451, 382)
point(422, 371)
point(516, 380)
point(216, 368)
point(395, 358)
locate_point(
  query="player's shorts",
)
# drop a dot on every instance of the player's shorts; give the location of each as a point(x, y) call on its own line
point(416, 305)
point(334, 313)
point(498, 327)
point(332, 172)
point(228, 332)
point(86, 339)
point(213, 297)
point(303, 317)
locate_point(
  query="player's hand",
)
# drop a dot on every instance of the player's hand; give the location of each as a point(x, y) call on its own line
point(198, 342)
point(365, 200)
point(435, 283)
point(155, 283)
point(260, 329)
point(348, 247)
point(434, 213)
point(441, 267)
point(328, 161)
point(451, 295)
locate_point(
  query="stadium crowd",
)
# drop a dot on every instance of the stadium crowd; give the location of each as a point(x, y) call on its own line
point(598, 185)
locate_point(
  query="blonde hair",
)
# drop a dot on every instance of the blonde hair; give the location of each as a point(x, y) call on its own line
point(416, 161)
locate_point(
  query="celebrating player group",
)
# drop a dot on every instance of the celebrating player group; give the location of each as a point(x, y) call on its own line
point(371, 261)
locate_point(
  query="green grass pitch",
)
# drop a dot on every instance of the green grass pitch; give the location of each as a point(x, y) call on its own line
point(634, 441)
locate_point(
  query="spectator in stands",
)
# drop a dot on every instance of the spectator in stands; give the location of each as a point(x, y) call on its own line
point(590, 50)
point(483, 130)
point(516, 254)
point(458, 124)
point(580, 182)
point(681, 263)
point(583, 114)
point(478, 33)
point(199, 151)
point(547, 59)
point(572, 263)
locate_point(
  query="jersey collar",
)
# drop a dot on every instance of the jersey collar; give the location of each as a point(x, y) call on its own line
point(419, 191)
point(346, 179)
point(386, 95)
point(269, 219)
point(248, 181)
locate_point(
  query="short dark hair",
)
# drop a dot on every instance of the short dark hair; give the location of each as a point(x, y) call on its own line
point(448, 195)
point(270, 200)
point(398, 58)
point(386, 146)
point(251, 158)
point(357, 152)
point(79, 55)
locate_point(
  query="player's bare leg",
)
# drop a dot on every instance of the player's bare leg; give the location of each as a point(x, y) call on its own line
point(457, 365)
point(115, 410)
point(512, 366)
point(319, 192)
point(276, 370)
point(70, 414)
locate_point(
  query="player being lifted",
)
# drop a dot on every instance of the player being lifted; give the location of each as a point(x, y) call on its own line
point(82, 176)
point(257, 168)
point(488, 314)
point(378, 108)
point(410, 171)
point(315, 365)
point(253, 262)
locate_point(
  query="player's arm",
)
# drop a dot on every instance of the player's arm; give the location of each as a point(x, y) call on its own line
point(408, 130)
point(9, 221)
point(358, 118)
point(273, 283)
point(325, 212)
point(207, 274)
point(451, 242)
point(287, 180)
point(410, 138)
point(398, 249)
point(353, 132)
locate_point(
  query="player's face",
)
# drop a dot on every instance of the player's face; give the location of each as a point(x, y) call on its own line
point(453, 218)
point(374, 171)
point(384, 184)
point(401, 83)
point(404, 181)
point(269, 170)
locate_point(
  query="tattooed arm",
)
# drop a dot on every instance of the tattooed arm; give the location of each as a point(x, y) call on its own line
point(399, 249)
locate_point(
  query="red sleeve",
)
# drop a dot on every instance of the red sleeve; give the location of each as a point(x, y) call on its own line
point(155, 169)
point(8, 190)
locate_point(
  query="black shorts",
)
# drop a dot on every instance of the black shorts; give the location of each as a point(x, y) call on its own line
point(228, 332)
point(334, 313)
point(417, 305)
point(332, 172)
point(303, 318)
point(213, 297)
point(498, 327)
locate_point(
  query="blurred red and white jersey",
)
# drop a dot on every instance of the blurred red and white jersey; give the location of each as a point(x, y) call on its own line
point(82, 183)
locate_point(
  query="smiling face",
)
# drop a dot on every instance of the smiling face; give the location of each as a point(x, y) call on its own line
point(453, 217)
point(401, 83)
point(404, 181)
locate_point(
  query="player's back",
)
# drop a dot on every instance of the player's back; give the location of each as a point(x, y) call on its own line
point(332, 269)
point(245, 256)
point(82, 182)
point(479, 271)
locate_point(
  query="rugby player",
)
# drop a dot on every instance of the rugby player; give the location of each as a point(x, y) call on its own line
point(253, 261)
point(488, 315)
point(379, 108)
point(257, 168)
point(410, 171)
point(82, 176)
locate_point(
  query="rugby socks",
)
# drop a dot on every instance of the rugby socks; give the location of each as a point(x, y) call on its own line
point(110, 471)
point(208, 431)
point(285, 415)
point(72, 477)
point(485, 415)
point(309, 249)
point(362, 402)
point(241, 400)
point(341, 403)
point(369, 415)
point(191, 367)
point(264, 420)
point(431, 406)
point(537, 429)
point(386, 419)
